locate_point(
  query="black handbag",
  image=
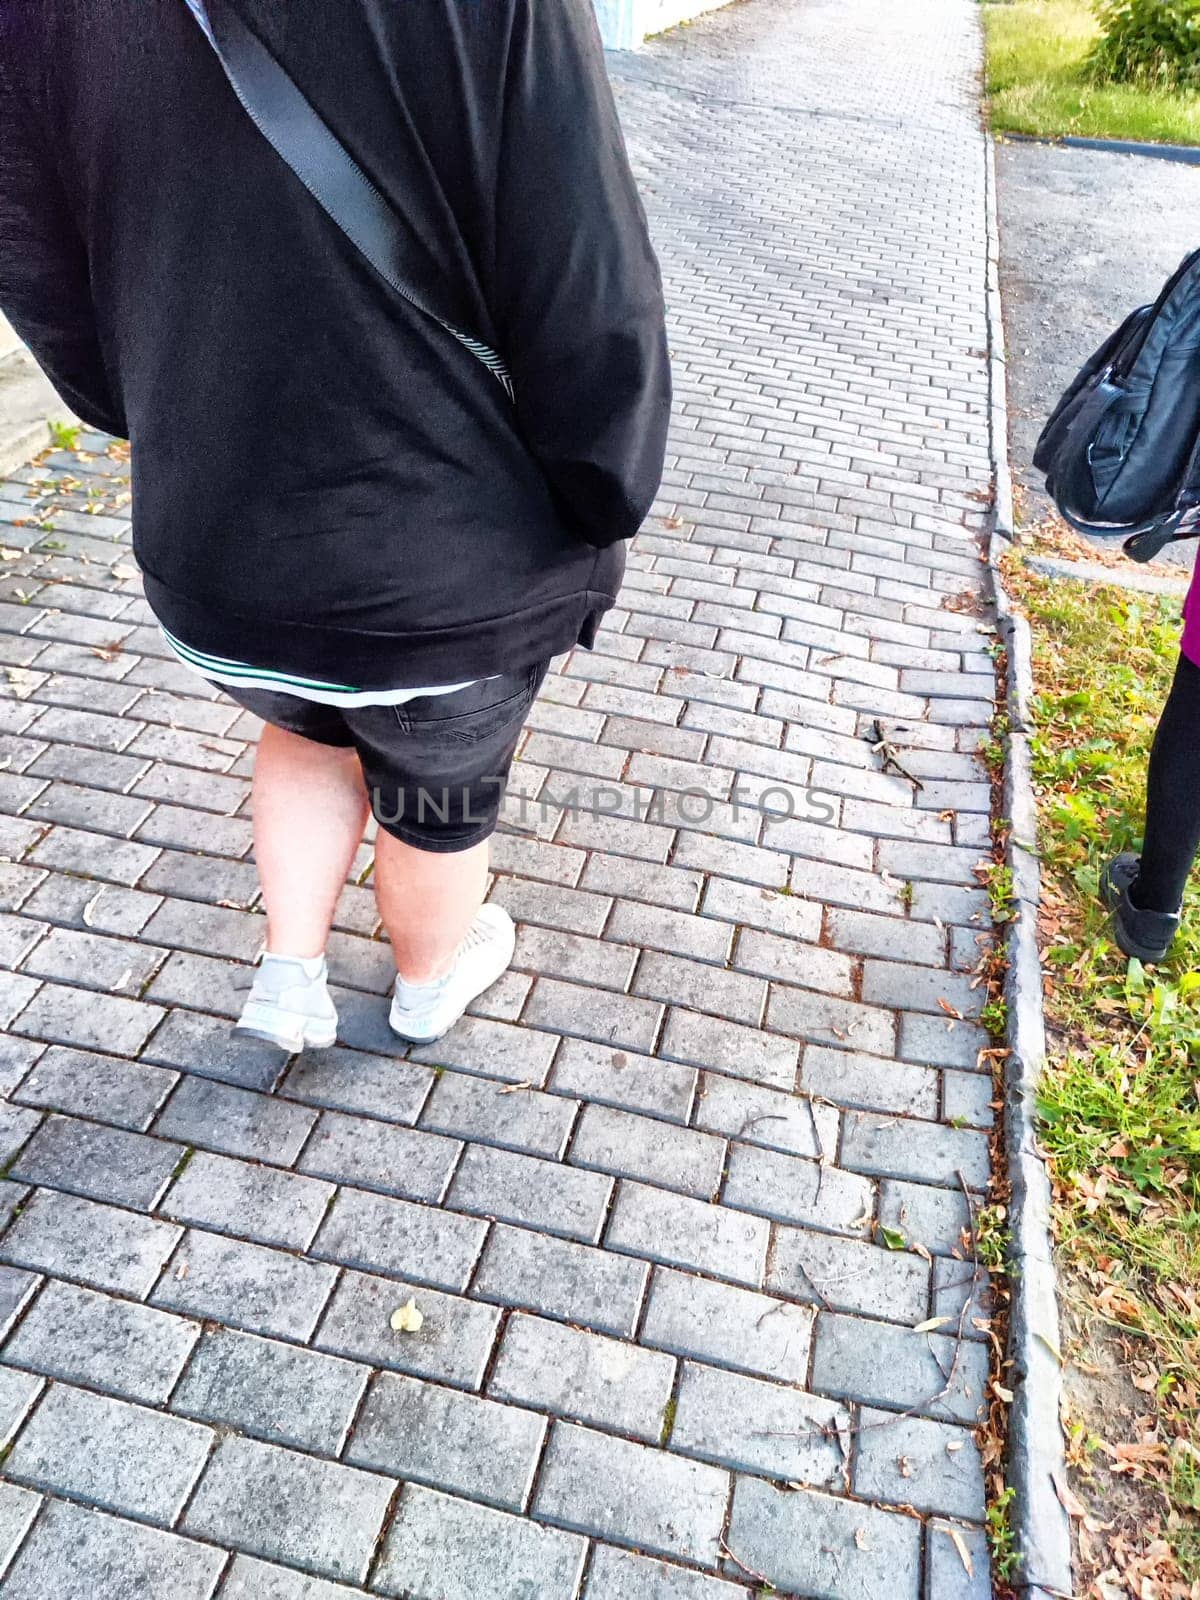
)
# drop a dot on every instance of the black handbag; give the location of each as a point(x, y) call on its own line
point(1121, 451)
point(298, 133)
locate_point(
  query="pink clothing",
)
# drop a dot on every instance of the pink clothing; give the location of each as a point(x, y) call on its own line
point(1190, 643)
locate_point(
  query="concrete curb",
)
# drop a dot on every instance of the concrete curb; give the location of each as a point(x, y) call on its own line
point(1096, 572)
point(1035, 1442)
point(1186, 154)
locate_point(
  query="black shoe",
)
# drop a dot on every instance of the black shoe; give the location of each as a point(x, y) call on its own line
point(1147, 935)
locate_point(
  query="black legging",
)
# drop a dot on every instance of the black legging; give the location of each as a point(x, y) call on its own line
point(1172, 797)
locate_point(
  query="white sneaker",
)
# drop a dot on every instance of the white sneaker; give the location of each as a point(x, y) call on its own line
point(423, 1012)
point(289, 1004)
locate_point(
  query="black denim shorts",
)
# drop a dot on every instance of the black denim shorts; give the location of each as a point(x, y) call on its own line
point(436, 767)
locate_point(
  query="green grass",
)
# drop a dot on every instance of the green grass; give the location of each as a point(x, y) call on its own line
point(1037, 80)
point(1120, 1101)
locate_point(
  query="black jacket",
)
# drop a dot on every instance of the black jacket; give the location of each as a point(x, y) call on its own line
point(325, 481)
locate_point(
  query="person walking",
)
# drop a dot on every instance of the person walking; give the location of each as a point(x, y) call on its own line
point(1145, 892)
point(370, 526)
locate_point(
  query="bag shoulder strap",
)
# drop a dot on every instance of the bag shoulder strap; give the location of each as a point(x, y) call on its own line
point(304, 141)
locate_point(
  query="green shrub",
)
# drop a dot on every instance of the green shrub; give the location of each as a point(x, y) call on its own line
point(1149, 42)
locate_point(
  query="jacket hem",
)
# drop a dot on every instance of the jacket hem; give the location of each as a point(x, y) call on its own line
point(395, 660)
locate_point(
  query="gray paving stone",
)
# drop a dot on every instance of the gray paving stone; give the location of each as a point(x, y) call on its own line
point(607, 1382)
point(68, 801)
point(16, 1290)
point(206, 1046)
point(608, 1140)
point(898, 1147)
point(941, 1041)
point(911, 1461)
point(109, 1454)
point(119, 861)
point(212, 930)
point(16, 991)
point(870, 1082)
point(810, 966)
point(95, 1244)
point(353, 1080)
point(827, 1019)
point(271, 1391)
point(818, 1545)
point(252, 1201)
point(935, 1218)
point(17, 1056)
point(12, 1197)
point(622, 1575)
point(452, 1346)
point(125, 1349)
point(768, 1428)
point(381, 1156)
point(18, 1391)
point(258, 1580)
point(731, 996)
point(18, 936)
point(292, 1508)
point(790, 1189)
point(17, 1127)
point(99, 1163)
point(542, 1194)
point(624, 1022)
point(61, 1015)
point(574, 957)
point(18, 1507)
point(495, 1049)
point(447, 1440)
point(643, 881)
point(109, 908)
point(768, 1117)
point(946, 1578)
point(660, 928)
point(246, 1286)
point(616, 1077)
point(679, 1231)
point(901, 984)
point(959, 1282)
point(104, 1088)
point(969, 1099)
point(727, 1327)
point(525, 1120)
point(849, 1275)
point(91, 961)
point(882, 1364)
point(374, 1232)
point(235, 1121)
point(201, 983)
point(595, 1483)
point(71, 1545)
point(893, 938)
point(559, 1278)
point(439, 1548)
point(730, 1048)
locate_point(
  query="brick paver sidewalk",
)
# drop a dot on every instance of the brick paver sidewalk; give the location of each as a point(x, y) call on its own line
point(643, 1197)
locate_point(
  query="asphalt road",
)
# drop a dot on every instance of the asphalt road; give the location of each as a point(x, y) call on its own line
point(1085, 236)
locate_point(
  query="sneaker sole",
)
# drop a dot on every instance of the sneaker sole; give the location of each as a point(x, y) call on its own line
point(424, 1038)
point(1148, 955)
point(306, 1038)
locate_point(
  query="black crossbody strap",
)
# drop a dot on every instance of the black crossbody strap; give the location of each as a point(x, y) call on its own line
point(303, 139)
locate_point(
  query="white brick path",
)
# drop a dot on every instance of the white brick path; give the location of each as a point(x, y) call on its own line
point(666, 1350)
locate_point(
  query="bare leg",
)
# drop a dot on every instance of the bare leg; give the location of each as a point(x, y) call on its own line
point(310, 809)
point(427, 899)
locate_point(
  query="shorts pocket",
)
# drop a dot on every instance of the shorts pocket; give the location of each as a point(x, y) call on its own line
point(493, 705)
